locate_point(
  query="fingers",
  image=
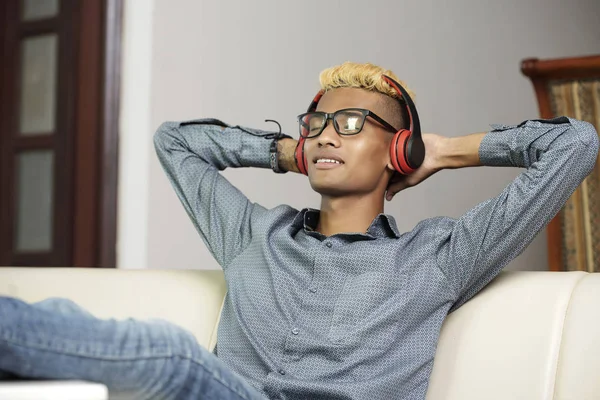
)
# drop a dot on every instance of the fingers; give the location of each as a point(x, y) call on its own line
point(395, 188)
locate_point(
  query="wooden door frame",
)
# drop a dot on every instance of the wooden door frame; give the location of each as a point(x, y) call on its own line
point(98, 126)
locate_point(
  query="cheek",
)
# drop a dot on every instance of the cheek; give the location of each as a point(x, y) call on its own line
point(308, 150)
point(373, 155)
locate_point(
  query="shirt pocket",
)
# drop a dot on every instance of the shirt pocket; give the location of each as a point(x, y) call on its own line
point(364, 313)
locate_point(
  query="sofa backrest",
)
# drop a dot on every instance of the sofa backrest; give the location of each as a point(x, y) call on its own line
point(527, 335)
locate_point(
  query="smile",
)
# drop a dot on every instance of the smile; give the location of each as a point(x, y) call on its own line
point(328, 160)
point(327, 163)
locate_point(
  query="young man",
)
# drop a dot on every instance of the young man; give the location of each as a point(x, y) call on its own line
point(333, 303)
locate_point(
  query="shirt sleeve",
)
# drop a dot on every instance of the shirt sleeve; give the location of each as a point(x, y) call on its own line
point(558, 155)
point(192, 153)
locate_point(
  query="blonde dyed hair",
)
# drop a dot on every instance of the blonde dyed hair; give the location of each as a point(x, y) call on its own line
point(362, 76)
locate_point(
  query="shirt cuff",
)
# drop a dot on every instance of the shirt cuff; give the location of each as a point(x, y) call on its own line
point(507, 145)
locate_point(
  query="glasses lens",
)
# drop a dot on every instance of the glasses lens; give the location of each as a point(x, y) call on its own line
point(311, 124)
point(349, 122)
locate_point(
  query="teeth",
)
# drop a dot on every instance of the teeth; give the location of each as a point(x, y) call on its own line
point(326, 160)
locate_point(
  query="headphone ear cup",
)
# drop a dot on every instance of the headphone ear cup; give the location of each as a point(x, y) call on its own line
point(301, 157)
point(398, 152)
point(415, 152)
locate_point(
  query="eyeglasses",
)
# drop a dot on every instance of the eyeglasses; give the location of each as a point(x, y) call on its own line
point(348, 121)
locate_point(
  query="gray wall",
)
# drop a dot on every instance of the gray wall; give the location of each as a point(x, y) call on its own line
point(244, 61)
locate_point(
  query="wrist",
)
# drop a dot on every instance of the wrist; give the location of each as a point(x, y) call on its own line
point(285, 149)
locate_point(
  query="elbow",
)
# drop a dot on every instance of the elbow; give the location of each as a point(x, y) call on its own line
point(590, 142)
point(163, 137)
point(595, 144)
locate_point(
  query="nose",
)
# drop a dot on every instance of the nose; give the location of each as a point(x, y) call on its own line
point(329, 136)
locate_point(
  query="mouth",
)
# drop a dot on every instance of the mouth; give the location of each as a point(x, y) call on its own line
point(328, 162)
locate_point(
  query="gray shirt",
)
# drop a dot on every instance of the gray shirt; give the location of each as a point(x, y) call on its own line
point(358, 315)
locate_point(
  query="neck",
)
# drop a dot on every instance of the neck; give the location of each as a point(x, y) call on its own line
point(348, 214)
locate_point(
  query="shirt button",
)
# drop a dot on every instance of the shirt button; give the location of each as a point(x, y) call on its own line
point(295, 331)
point(282, 372)
point(313, 290)
point(328, 244)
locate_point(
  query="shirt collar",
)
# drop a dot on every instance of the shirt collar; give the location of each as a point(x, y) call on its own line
point(383, 225)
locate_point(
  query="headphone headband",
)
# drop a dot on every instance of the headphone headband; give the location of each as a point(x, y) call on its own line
point(313, 104)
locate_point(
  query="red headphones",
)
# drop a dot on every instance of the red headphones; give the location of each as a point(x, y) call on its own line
point(407, 150)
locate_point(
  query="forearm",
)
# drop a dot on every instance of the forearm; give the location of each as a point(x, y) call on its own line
point(460, 152)
point(504, 145)
point(213, 143)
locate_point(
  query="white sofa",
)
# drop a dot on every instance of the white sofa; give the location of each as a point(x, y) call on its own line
point(528, 335)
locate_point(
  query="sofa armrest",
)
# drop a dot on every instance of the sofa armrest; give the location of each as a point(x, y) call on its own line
point(191, 299)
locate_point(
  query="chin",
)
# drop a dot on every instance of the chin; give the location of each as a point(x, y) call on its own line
point(341, 186)
point(335, 189)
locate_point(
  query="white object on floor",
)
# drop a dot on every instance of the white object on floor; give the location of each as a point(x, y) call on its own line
point(52, 390)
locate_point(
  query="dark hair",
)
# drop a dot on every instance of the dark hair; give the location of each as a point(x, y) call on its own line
point(396, 109)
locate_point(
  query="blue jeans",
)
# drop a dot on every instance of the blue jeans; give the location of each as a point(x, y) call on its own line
point(56, 339)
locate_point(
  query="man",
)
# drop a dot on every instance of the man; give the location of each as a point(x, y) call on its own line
point(333, 303)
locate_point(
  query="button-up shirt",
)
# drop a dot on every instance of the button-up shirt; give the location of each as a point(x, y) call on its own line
point(357, 315)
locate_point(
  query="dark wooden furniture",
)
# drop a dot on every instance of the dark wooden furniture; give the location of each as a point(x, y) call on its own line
point(81, 142)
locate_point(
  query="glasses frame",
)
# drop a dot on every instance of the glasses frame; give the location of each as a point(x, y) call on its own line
point(331, 116)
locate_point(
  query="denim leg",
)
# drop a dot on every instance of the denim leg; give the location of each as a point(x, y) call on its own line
point(56, 339)
point(7, 376)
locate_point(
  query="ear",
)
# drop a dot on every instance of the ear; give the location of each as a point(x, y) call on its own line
point(389, 165)
point(390, 172)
